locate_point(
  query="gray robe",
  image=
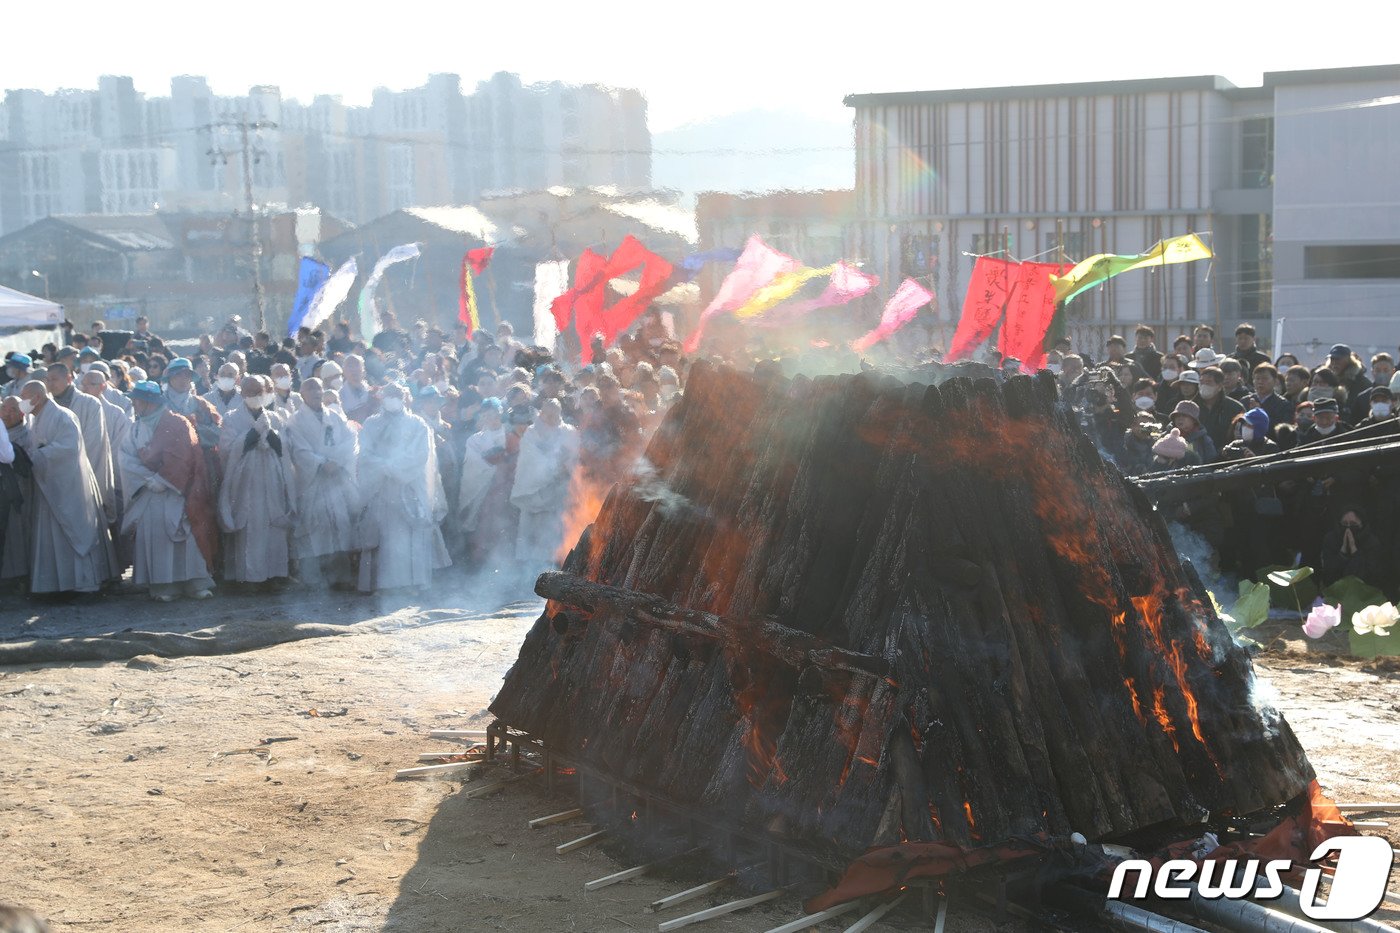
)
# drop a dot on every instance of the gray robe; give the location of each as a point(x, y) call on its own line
point(96, 444)
point(400, 542)
point(287, 406)
point(222, 405)
point(118, 399)
point(70, 549)
point(14, 562)
point(324, 450)
point(256, 505)
point(165, 550)
point(543, 476)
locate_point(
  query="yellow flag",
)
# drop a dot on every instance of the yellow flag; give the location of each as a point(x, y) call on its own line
point(779, 290)
point(1099, 269)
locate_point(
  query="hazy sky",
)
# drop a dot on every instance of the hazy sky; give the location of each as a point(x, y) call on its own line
point(693, 60)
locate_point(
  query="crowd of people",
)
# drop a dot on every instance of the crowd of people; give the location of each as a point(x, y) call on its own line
point(320, 459)
point(1152, 410)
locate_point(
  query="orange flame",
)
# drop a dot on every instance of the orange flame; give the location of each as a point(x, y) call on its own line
point(585, 502)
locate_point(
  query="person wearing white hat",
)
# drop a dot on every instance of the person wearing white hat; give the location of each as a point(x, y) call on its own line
point(1206, 357)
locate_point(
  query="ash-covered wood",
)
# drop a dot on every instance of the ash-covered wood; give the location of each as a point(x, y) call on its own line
point(853, 611)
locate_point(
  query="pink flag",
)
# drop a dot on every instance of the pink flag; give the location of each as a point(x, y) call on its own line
point(756, 266)
point(846, 284)
point(899, 310)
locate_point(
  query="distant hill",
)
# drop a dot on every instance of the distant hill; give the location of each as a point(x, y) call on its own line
point(685, 158)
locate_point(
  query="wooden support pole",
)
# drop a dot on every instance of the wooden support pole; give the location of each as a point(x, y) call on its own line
point(488, 787)
point(618, 876)
point(689, 894)
point(445, 753)
point(712, 912)
point(870, 919)
point(580, 842)
point(811, 920)
point(434, 771)
point(1369, 807)
point(476, 736)
point(942, 919)
point(561, 817)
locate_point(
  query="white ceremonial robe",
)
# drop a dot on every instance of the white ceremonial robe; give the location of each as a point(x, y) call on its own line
point(477, 474)
point(324, 450)
point(96, 444)
point(256, 505)
point(400, 541)
point(70, 550)
point(121, 401)
point(223, 404)
point(543, 475)
point(165, 550)
point(19, 530)
point(287, 406)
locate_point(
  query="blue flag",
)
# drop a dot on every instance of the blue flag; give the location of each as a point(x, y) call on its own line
point(310, 278)
point(691, 265)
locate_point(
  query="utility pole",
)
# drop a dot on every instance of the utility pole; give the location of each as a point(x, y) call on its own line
point(250, 155)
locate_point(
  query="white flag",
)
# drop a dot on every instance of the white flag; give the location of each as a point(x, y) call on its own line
point(369, 321)
point(551, 281)
point(331, 295)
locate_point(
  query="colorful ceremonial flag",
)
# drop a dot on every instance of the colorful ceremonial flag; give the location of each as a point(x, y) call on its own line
point(473, 264)
point(369, 321)
point(847, 283)
point(587, 271)
point(331, 295)
point(551, 281)
point(1029, 312)
point(1099, 269)
point(656, 273)
point(987, 293)
point(756, 266)
point(779, 290)
point(311, 275)
point(690, 266)
point(899, 310)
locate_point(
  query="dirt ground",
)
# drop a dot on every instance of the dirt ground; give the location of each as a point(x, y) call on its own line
point(136, 796)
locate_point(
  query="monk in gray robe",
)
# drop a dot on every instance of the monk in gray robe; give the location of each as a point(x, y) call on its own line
point(256, 500)
point(168, 511)
point(543, 476)
point(324, 450)
point(224, 395)
point(400, 542)
point(16, 493)
point(71, 550)
point(93, 424)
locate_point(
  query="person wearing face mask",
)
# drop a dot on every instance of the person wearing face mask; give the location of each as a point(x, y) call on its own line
point(1352, 549)
point(1380, 418)
point(257, 503)
point(398, 534)
point(181, 399)
point(1186, 419)
point(284, 400)
point(1144, 393)
point(1168, 390)
point(1218, 410)
point(224, 396)
point(71, 549)
point(170, 512)
point(356, 397)
point(324, 451)
point(1325, 385)
point(16, 493)
point(1327, 423)
point(1138, 441)
point(1251, 436)
point(1382, 371)
point(17, 367)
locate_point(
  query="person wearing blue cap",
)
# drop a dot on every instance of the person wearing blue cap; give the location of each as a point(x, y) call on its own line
point(1349, 370)
point(169, 509)
point(17, 367)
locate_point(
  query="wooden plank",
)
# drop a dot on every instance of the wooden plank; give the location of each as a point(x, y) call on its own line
point(1369, 807)
point(811, 920)
point(870, 919)
point(580, 842)
point(712, 912)
point(445, 753)
point(478, 735)
point(689, 894)
point(1370, 824)
point(481, 790)
point(429, 771)
point(942, 919)
point(619, 876)
point(562, 816)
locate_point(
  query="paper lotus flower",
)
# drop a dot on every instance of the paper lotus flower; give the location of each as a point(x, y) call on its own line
point(1377, 619)
point(1322, 618)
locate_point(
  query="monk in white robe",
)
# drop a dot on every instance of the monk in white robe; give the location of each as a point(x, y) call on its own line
point(256, 505)
point(71, 550)
point(93, 424)
point(284, 401)
point(324, 451)
point(168, 512)
point(400, 542)
point(16, 492)
point(548, 456)
point(224, 395)
point(480, 455)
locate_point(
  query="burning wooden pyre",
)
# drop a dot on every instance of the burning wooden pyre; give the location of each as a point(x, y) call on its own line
point(849, 612)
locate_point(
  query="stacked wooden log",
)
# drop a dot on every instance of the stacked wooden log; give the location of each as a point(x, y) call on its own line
point(853, 611)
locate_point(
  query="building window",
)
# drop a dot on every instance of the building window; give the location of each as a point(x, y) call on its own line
point(919, 257)
point(992, 244)
point(1256, 265)
point(1070, 245)
point(1257, 153)
point(1368, 261)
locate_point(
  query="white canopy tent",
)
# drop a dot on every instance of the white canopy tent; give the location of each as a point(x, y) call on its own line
point(26, 321)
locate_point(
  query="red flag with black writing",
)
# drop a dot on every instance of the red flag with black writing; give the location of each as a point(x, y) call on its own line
point(1029, 312)
point(987, 293)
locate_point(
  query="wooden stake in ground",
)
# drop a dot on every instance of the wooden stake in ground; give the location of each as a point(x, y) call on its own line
point(436, 771)
point(870, 919)
point(720, 911)
point(580, 842)
point(811, 920)
point(689, 894)
point(561, 817)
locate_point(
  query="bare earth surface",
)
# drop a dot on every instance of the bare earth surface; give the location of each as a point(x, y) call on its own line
point(136, 796)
